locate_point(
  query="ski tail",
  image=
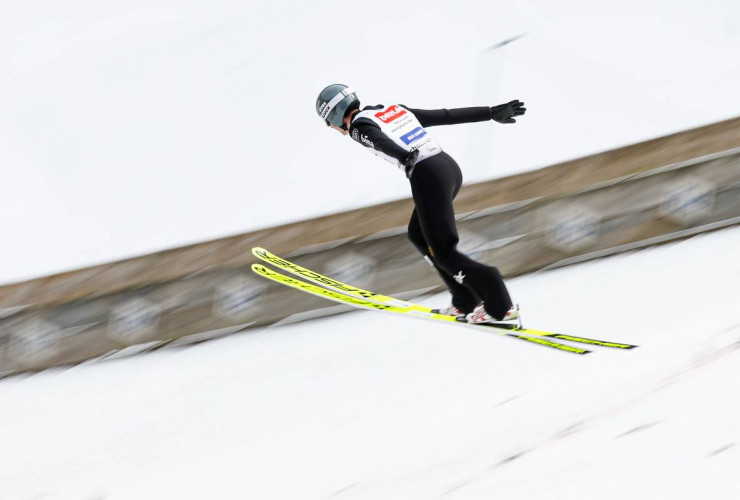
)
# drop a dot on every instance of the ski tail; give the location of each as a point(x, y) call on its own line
point(561, 336)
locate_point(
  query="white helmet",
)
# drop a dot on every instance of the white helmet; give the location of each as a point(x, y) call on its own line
point(334, 102)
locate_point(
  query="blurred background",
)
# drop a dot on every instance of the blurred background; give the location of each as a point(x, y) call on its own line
point(140, 126)
point(146, 147)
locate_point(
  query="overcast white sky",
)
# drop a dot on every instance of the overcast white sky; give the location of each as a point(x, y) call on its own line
point(133, 126)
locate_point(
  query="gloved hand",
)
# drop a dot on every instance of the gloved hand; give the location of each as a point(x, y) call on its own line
point(409, 161)
point(504, 113)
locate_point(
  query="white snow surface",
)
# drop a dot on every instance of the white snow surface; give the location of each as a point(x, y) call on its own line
point(130, 126)
point(369, 406)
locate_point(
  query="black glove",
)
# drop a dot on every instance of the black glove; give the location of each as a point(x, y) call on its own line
point(409, 161)
point(504, 113)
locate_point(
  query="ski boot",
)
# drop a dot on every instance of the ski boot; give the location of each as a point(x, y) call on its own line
point(481, 316)
point(450, 311)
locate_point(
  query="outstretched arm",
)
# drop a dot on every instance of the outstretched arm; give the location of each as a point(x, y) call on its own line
point(432, 117)
point(503, 113)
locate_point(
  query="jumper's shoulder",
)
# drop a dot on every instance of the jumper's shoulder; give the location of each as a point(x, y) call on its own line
point(365, 113)
point(364, 131)
point(363, 120)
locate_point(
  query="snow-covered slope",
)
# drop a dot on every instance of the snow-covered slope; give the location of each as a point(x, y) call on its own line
point(117, 115)
point(368, 406)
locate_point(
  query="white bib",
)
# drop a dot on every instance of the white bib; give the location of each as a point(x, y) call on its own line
point(404, 129)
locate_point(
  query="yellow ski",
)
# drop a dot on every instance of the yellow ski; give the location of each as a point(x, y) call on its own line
point(331, 283)
point(415, 313)
point(405, 307)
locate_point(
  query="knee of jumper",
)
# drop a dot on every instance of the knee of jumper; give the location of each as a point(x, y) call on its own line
point(416, 238)
point(444, 257)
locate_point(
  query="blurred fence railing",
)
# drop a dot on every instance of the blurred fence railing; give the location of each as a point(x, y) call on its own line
point(640, 209)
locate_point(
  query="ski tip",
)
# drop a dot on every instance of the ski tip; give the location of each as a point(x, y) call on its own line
point(260, 269)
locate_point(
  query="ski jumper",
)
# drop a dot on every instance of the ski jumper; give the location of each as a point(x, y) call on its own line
point(392, 132)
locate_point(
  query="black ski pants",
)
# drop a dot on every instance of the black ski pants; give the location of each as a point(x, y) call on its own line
point(434, 185)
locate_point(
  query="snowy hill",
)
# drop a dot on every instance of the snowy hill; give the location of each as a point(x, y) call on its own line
point(117, 116)
point(367, 406)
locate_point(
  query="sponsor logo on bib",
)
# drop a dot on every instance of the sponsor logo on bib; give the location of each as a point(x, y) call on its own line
point(413, 136)
point(390, 114)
